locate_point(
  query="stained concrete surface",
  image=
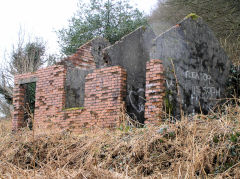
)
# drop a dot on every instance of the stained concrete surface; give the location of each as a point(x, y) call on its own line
point(199, 62)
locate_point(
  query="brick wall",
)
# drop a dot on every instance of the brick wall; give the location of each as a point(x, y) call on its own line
point(18, 98)
point(104, 94)
point(49, 97)
point(105, 90)
point(154, 91)
point(83, 57)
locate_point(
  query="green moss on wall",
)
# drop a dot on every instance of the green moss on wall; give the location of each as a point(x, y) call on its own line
point(193, 16)
point(72, 109)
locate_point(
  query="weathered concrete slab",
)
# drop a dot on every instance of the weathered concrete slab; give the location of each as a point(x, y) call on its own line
point(132, 52)
point(98, 44)
point(75, 87)
point(200, 64)
point(28, 80)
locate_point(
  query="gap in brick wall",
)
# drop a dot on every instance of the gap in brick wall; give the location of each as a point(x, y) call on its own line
point(29, 103)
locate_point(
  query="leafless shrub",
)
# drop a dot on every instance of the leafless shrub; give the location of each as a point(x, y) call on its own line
point(25, 57)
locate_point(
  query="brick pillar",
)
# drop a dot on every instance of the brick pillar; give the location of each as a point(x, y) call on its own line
point(18, 104)
point(154, 91)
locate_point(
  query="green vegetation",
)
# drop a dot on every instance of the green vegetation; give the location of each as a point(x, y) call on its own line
point(109, 19)
point(72, 109)
point(193, 16)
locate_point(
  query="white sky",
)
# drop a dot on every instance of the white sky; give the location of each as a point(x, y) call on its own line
point(41, 18)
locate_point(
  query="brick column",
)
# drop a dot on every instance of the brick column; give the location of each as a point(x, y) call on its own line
point(18, 104)
point(154, 91)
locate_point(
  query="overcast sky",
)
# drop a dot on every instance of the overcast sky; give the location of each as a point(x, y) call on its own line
point(41, 18)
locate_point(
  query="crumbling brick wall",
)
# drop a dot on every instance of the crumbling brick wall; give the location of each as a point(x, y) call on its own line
point(105, 92)
point(83, 58)
point(50, 94)
point(49, 97)
point(154, 91)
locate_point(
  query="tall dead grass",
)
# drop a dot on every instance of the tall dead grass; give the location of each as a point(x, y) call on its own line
point(197, 147)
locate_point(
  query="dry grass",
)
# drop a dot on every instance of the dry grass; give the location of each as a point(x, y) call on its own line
point(232, 48)
point(200, 147)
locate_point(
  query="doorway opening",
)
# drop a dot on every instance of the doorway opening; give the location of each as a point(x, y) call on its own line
point(29, 104)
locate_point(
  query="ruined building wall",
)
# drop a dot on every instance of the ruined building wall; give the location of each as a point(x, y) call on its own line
point(105, 91)
point(83, 57)
point(195, 70)
point(73, 94)
point(50, 94)
point(18, 103)
point(197, 67)
point(132, 53)
point(79, 65)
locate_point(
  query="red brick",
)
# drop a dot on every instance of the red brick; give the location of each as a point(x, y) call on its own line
point(154, 91)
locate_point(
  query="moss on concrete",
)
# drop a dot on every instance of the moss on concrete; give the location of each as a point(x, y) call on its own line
point(72, 109)
point(193, 16)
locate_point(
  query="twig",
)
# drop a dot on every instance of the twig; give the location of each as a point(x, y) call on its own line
point(231, 167)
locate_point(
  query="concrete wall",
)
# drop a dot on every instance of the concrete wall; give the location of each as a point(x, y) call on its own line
point(132, 52)
point(200, 64)
point(75, 87)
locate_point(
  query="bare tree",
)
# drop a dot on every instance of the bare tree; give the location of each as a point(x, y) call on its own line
point(5, 108)
point(26, 57)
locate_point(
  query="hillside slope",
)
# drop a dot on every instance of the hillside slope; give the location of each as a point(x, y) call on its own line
point(201, 146)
